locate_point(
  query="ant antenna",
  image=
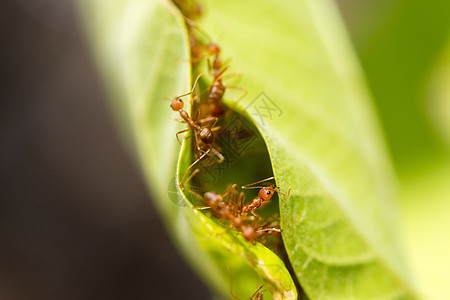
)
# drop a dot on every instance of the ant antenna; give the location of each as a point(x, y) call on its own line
point(193, 88)
point(250, 185)
point(193, 24)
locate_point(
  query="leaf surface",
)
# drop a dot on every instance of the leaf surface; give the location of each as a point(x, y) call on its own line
point(143, 52)
point(307, 94)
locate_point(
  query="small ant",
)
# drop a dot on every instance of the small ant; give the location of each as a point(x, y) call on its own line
point(264, 195)
point(202, 134)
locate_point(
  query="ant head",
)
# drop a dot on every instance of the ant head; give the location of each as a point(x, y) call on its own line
point(177, 104)
point(206, 135)
point(213, 49)
point(267, 192)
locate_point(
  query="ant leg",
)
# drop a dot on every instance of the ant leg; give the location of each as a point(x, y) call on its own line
point(198, 145)
point(286, 195)
point(241, 201)
point(215, 122)
point(255, 214)
point(209, 65)
point(192, 175)
point(231, 284)
point(179, 121)
point(198, 198)
point(196, 116)
point(179, 133)
point(212, 84)
point(269, 230)
point(257, 293)
point(244, 93)
point(231, 194)
point(207, 120)
point(201, 207)
point(193, 24)
point(219, 76)
point(218, 154)
point(193, 164)
point(238, 75)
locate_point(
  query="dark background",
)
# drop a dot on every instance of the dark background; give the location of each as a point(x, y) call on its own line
point(76, 221)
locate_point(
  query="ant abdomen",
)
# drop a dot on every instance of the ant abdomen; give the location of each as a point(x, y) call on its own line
point(248, 232)
point(206, 135)
point(217, 109)
point(212, 198)
point(217, 91)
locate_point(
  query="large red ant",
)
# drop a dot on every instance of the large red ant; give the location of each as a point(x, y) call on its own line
point(264, 195)
point(217, 88)
point(204, 135)
point(231, 211)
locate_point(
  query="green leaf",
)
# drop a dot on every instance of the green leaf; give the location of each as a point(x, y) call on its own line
point(339, 222)
point(425, 195)
point(398, 55)
point(438, 91)
point(407, 60)
point(142, 50)
point(426, 210)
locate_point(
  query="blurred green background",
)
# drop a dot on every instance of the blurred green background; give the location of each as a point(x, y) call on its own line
point(404, 49)
point(69, 234)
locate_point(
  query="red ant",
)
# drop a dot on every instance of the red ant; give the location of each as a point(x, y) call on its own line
point(230, 211)
point(225, 211)
point(189, 9)
point(262, 230)
point(202, 134)
point(264, 195)
point(197, 47)
point(217, 88)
